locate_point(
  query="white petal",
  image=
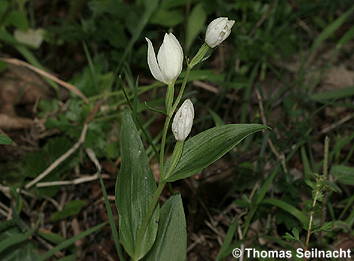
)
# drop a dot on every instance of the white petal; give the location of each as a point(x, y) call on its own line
point(152, 62)
point(170, 57)
point(177, 47)
point(162, 58)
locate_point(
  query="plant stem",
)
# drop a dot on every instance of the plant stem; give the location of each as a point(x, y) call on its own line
point(181, 91)
point(325, 177)
point(325, 161)
point(311, 220)
point(176, 155)
point(195, 60)
point(200, 55)
point(318, 191)
point(169, 112)
point(169, 97)
point(163, 142)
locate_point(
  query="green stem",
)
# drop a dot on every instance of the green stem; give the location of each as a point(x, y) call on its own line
point(181, 91)
point(176, 155)
point(195, 60)
point(163, 143)
point(200, 55)
point(170, 110)
point(309, 228)
point(169, 97)
point(325, 177)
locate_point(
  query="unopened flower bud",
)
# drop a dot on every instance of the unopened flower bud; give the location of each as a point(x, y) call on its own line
point(168, 65)
point(218, 30)
point(183, 120)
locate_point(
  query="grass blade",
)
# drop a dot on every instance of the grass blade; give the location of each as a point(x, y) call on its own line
point(14, 239)
point(71, 241)
point(288, 208)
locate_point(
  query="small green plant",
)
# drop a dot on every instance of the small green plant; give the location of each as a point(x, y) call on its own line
point(146, 230)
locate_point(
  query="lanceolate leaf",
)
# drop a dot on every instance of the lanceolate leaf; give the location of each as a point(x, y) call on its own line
point(171, 240)
point(205, 148)
point(134, 189)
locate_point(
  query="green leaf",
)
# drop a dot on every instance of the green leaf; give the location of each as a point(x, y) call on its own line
point(168, 18)
point(15, 244)
point(205, 148)
point(25, 251)
point(345, 38)
point(331, 29)
point(3, 7)
point(171, 240)
point(15, 238)
point(72, 208)
point(5, 140)
point(134, 189)
point(288, 208)
point(195, 24)
point(327, 227)
point(17, 19)
point(257, 199)
point(70, 241)
point(333, 94)
point(343, 174)
point(296, 234)
point(216, 118)
point(6, 224)
point(225, 247)
point(51, 237)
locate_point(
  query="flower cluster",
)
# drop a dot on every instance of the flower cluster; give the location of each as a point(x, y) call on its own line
point(167, 66)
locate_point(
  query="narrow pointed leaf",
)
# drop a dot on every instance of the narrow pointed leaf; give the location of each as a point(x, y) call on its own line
point(14, 239)
point(205, 148)
point(288, 208)
point(171, 240)
point(134, 189)
point(70, 241)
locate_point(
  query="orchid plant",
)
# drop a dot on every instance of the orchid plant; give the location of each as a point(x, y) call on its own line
point(148, 231)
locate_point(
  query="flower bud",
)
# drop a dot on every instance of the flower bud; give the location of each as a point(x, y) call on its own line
point(183, 120)
point(168, 65)
point(218, 30)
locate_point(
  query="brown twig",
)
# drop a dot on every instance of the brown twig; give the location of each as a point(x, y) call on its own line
point(66, 85)
point(61, 159)
point(4, 210)
point(80, 180)
point(338, 123)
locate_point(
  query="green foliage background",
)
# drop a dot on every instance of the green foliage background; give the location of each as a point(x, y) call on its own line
point(99, 46)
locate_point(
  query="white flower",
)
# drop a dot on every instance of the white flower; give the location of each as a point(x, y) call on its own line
point(218, 30)
point(168, 65)
point(183, 120)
